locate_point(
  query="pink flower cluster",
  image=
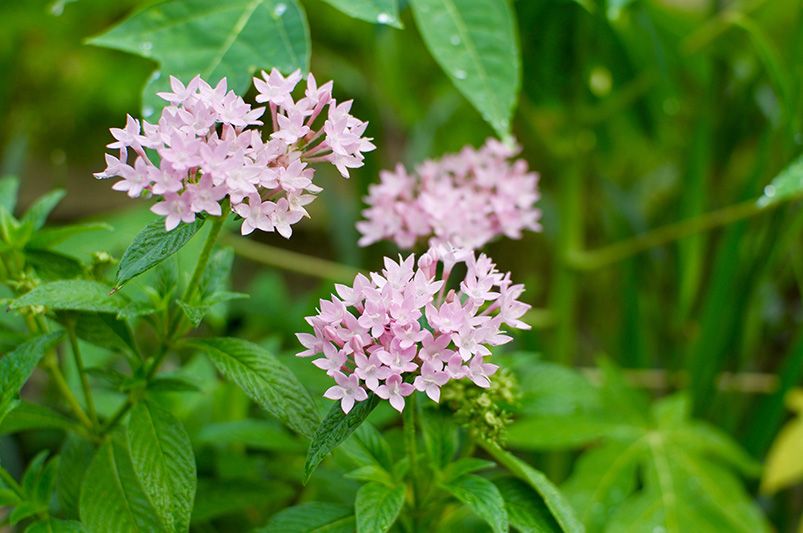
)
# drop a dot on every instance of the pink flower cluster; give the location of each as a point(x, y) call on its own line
point(465, 199)
point(207, 146)
point(402, 330)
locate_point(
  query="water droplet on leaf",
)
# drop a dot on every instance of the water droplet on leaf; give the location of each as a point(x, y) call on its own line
point(280, 9)
point(460, 74)
point(147, 111)
point(455, 40)
point(384, 18)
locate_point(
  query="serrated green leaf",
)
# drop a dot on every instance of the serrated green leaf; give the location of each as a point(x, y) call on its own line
point(54, 525)
point(9, 188)
point(266, 380)
point(312, 517)
point(152, 246)
point(17, 366)
point(75, 455)
point(526, 510)
point(163, 462)
point(48, 237)
point(788, 184)
point(72, 295)
point(482, 497)
point(26, 416)
point(112, 499)
point(377, 506)
point(475, 43)
point(376, 11)
point(231, 40)
point(334, 429)
point(257, 434)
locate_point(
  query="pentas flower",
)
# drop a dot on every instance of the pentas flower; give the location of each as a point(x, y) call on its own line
point(208, 147)
point(466, 199)
point(404, 329)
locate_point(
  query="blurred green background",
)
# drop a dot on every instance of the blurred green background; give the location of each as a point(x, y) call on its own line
point(637, 114)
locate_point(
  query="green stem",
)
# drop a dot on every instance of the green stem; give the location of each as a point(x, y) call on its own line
point(411, 444)
point(79, 364)
point(287, 260)
point(603, 257)
point(51, 363)
point(203, 259)
point(9, 480)
point(116, 417)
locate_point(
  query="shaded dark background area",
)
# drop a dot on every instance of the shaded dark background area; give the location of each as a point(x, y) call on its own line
point(636, 114)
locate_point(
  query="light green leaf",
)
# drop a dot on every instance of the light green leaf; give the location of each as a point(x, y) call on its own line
point(440, 437)
point(9, 187)
point(17, 366)
point(525, 509)
point(72, 295)
point(112, 499)
point(196, 312)
point(231, 39)
point(163, 462)
point(786, 185)
point(378, 11)
point(482, 497)
point(377, 506)
point(53, 265)
point(54, 525)
point(26, 416)
point(334, 429)
point(266, 380)
point(48, 237)
point(312, 517)
point(560, 431)
point(152, 246)
point(475, 43)
point(465, 465)
point(36, 215)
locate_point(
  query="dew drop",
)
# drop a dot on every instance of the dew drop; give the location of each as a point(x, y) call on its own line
point(146, 46)
point(384, 18)
point(769, 191)
point(156, 75)
point(280, 9)
point(460, 74)
point(455, 40)
point(147, 111)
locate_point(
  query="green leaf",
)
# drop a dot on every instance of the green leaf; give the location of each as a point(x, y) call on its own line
point(162, 458)
point(367, 446)
point(561, 431)
point(561, 510)
point(104, 330)
point(152, 246)
point(378, 11)
point(36, 215)
point(48, 237)
point(788, 184)
point(53, 265)
point(213, 39)
point(72, 295)
point(26, 416)
point(440, 437)
point(465, 465)
point(377, 507)
point(312, 517)
point(475, 43)
point(334, 429)
point(75, 455)
point(172, 384)
point(482, 497)
point(112, 499)
point(220, 497)
point(266, 380)
point(54, 525)
point(17, 366)
point(257, 434)
point(197, 312)
point(525, 509)
point(9, 187)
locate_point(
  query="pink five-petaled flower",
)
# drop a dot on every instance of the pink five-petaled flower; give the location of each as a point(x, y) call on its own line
point(394, 390)
point(395, 331)
point(466, 199)
point(347, 390)
point(207, 146)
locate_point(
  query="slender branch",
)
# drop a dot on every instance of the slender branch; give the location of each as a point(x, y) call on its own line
point(288, 260)
point(203, 259)
point(410, 443)
point(51, 364)
point(608, 255)
point(79, 363)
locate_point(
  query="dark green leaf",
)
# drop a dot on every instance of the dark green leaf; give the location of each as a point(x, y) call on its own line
point(334, 429)
point(53, 265)
point(54, 525)
point(72, 295)
point(526, 510)
point(104, 330)
point(17, 366)
point(172, 384)
point(474, 41)
point(112, 499)
point(377, 506)
point(463, 466)
point(377, 11)
point(197, 312)
point(75, 455)
point(231, 40)
point(152, 246)
point(266, 380)
point(367, 446)
point(26, 416)
point(218, 497)
point(312, 517)
point(440, 437)
point(482, 497)
point(163, 462)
